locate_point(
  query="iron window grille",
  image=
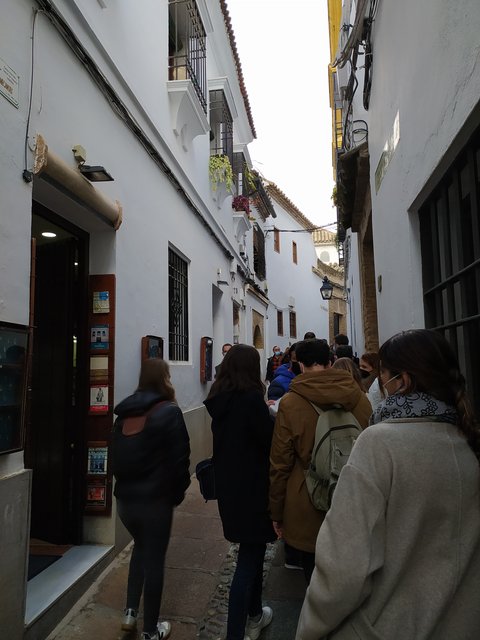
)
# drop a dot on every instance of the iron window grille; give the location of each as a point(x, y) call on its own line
point(221, 126)
point(293, 324)
point(187, 58)
point(239, 168)
point(450, 246)
point(336, 323)
point(178, 307)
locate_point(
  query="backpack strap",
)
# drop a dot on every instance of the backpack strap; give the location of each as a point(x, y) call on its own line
point(135, 424)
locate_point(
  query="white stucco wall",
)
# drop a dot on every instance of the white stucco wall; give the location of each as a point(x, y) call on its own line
point(425, 84)
point(428, 72)
point(287, 281)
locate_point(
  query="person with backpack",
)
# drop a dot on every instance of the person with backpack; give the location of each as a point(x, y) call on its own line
point(150, 456)
point(398, 555)
point(319, 386)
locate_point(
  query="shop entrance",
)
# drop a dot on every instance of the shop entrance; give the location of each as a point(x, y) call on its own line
point(55, 447)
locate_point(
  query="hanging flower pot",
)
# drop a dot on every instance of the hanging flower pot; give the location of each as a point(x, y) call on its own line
point(220, 172)
point(241, 203)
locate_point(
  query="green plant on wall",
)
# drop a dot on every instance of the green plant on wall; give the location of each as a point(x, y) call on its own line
point(249, 178)
point(220, 170)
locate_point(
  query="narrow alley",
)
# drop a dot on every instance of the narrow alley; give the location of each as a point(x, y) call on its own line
point(199, 568)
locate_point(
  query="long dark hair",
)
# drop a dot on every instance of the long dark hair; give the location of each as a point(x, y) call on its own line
point(155, 376)
point(347, 364)
point(433, 368)
point(240, 371)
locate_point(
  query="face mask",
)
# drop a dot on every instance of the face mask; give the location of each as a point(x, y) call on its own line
point(385, 384)
point(364, 373)
point(295, 368)
point(277, 353)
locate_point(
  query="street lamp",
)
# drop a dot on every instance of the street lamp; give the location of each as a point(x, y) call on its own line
point(326, 289)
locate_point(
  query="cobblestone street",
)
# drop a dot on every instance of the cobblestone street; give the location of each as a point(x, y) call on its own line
point(199, 568)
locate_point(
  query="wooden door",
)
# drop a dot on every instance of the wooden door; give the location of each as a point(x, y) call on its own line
point(54, 432)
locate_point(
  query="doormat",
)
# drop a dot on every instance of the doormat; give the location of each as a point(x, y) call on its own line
point(43, 548)
point(37, 564)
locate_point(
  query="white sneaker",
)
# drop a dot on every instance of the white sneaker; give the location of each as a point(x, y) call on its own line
point(162, 632)
point(254, 629)
point(164, 628)
point(130, 620)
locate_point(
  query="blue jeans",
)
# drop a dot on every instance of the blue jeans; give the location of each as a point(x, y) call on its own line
point(149, 525)
point(246, 590)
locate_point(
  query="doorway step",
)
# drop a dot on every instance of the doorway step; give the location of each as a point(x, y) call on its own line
point(54, 591)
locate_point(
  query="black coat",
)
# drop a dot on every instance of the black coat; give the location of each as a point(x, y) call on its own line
point(154, 463)
point(242, 434)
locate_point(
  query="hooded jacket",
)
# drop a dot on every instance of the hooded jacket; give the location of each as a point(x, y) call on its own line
point(292, 445)
point(242, 434)
point(154, 463)
point(281, 382)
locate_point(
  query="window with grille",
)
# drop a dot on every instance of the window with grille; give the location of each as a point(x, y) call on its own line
point(276, 240)
point(280, 323)
point(293, 324)
point(241, 174)
point(336, 323)
point(259, 253)
point(294, 252)
point(178, 307)
point(221, 126)
point(450, 245)
point(187, 47)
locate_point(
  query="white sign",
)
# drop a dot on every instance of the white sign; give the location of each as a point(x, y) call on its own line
point(9, 83)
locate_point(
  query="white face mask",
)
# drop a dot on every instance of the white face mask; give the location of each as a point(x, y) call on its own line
point(384, 384)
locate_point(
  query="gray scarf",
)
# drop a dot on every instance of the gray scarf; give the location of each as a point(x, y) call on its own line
point(414, 405)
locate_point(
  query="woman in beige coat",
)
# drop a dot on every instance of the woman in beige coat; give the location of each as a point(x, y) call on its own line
point(398, 555)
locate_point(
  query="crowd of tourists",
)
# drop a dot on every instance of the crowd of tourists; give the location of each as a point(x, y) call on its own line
point(380, 509)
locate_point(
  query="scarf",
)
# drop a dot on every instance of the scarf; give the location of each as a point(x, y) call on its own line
point(414, 405)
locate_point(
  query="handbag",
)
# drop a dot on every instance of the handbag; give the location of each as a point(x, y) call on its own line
point(206, 479)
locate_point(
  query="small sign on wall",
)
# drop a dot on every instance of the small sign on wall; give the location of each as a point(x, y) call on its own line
point(9, 80)
point(99, 337)
point(99, 399)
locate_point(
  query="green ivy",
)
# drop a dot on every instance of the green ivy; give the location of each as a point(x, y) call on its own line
point(220, 170)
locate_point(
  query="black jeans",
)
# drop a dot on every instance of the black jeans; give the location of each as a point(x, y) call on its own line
point(149, 525)
point(246, 590)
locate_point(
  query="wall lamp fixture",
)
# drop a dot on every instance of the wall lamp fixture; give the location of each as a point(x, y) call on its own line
point(326, 289)
point(94, 173)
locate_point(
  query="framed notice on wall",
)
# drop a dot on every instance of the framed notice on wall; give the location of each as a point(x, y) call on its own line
point(99, 337)
point(99, 399)
point(152, 347)
point(101, 376)
point(96, 495)
point(97, 458)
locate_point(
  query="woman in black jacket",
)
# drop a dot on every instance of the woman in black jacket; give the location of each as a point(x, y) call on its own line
point(151, 452)
point(242, 433)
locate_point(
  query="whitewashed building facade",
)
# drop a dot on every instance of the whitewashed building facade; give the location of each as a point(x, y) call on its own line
point(406, 89)
point(154, 262)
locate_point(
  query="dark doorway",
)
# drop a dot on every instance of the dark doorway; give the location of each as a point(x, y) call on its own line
point(55, 441)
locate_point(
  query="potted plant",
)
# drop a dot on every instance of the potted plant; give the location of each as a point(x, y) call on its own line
point(241, 203)
point(220, 171)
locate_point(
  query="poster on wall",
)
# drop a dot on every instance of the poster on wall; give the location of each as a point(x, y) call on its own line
point(96, 495)
point(99, 337)
point(101, 302)
point(98, 369)
point(97, 459)
point(99, 399)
